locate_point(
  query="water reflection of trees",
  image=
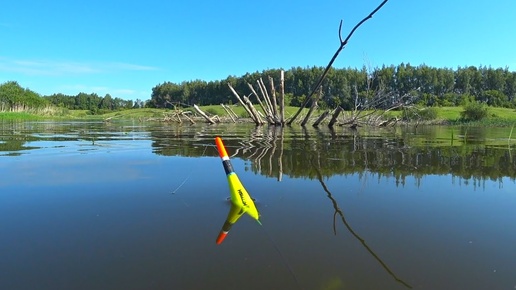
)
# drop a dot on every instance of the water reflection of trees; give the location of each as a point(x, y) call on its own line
point(384, 156)
point(17, 136)
point(275, 151)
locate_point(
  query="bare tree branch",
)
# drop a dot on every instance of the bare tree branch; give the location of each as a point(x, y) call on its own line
point(342, 45)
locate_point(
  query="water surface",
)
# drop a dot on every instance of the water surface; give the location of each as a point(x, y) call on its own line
point(128, 205)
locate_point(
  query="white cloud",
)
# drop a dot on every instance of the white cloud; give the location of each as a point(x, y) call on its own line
point(59, 68)
point(102, 90)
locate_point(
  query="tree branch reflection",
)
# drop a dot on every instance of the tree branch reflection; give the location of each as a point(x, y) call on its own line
point(339, 212)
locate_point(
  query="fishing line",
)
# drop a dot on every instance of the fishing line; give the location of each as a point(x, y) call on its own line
point(188, 177)
point(184, 181)
point(283, 258)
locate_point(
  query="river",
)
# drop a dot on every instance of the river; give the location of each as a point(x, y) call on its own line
point(129, 205)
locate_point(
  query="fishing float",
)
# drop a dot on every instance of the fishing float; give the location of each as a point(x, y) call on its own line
point(241, 201)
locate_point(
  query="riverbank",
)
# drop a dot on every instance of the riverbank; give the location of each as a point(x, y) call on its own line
point(445, 115)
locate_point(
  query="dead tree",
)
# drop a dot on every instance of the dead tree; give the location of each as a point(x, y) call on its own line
point(321, 118)
point(335, 116)
point(263, 104)
point(210, 120)
point(248, 107)
point(268, 101)
point(229, 112)
point(273, 100)
point(282, 98)
point(254, 113)
point(184, 114)
point(328, 67)
point(369, 114)
point(274, 112)
point(312, 107)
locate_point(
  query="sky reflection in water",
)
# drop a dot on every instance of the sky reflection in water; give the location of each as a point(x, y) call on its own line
point(95, 209)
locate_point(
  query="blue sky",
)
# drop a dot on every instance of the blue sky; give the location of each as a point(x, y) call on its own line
point(125, 48)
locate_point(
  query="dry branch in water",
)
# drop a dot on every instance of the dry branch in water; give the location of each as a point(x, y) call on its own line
point(341, 47)
point(268, 103)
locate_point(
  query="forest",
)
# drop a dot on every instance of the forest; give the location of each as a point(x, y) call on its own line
point(13, 97)
point(426, 86)
point(421, 85)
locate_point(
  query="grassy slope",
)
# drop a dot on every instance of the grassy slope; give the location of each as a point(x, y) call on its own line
point(22, 116)
point(240, 111)
point(497, 116)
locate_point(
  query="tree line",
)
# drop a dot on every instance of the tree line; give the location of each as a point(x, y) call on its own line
point(94, 103)
point(15, 98)
point(347, 87)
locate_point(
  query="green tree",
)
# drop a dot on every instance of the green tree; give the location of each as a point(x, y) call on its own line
point(496, 98)
point(13, 97)
point(474, 111)
point(107, 103)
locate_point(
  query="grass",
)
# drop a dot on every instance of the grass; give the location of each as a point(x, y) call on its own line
point(495, 117)
point(136, 113)
point(22, 116)
point(240, 111)
point(450, 115)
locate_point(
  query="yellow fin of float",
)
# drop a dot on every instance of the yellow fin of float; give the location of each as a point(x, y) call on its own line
point(240, 197)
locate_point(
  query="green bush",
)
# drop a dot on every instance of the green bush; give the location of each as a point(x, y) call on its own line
point(212, 111)
point(419, 114)
point(243, 114)
point(474, 111)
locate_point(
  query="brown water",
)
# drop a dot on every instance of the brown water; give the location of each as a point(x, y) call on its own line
point(128, 205)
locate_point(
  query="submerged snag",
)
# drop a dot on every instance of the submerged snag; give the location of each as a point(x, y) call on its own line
point(203, 114)
point(272, 112)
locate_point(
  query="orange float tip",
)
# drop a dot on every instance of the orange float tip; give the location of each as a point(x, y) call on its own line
point(221, 237)
point(220, 147)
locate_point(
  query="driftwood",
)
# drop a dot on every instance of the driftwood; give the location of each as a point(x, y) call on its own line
point(274, 112)
point(254, 113)
point(272, 106)
point(240, 100)
point(203, 114)
point(312, 108)
point(321, 118)
point(282, 97)
point(248, 106)
point(274, 102)
point(267, 101)
point(335, 116)
point(229, 112)
point(184, 114)
point(264, 107)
